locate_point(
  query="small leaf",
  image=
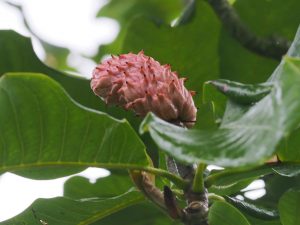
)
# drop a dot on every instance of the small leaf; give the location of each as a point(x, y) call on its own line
point(241, 93)
point(225, 214)
point(288, 170)
point(289, 208)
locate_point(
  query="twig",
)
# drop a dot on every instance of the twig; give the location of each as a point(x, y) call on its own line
point(273, 47)
point(171, 204)
point(198, 182)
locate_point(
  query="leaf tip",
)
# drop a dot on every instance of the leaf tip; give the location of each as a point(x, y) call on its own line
point(144, 127)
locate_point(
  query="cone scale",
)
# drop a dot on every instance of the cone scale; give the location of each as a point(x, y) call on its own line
point(138, 82)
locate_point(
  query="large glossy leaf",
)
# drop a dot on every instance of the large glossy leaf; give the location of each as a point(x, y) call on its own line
point(289, 208)
point(191, 49)
point(200, 50)
point(42, 128)
point(17, 55)
point(240, 64)
point(245, 94)
point(287, 150)
point(265, 124)
point(125, 11)
point(61, 210)
point(225, 214)
point(141, 214)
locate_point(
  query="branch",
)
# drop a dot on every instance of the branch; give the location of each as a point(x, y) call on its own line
point(272, 47)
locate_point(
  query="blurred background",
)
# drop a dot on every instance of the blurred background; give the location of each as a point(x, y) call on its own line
point(66, 35)
point(68, 31)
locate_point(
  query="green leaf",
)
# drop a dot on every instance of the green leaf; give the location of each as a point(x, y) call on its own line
point(17, 55)
point(125, 11)
point(288, 150)
point(241, 93)
point(254, 210)
point(269, 19)
point(237, 110)
point(225, 214)
point(217, 100)
point(230, 176)
point(241, 65)
point(290, 170)
point(187, 14)
point(140, 214)
point(264, 124)
point(42, 128)
point(289, 208)
point(275, 187)
point(234, 111)
point(231, 188)
point(112, 185)
point(255, 221)
point(61, 210)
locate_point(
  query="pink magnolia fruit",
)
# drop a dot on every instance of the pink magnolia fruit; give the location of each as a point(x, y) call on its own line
point(139, 83)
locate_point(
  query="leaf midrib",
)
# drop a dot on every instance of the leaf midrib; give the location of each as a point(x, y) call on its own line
point(14, 168)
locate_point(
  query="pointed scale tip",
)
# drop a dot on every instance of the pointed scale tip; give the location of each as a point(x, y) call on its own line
point(193, 93)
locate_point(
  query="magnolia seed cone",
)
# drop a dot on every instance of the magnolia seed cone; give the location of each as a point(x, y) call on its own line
point(139, 83)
